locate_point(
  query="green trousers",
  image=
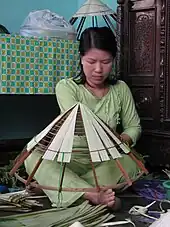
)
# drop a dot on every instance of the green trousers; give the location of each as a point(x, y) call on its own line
point(78, 174)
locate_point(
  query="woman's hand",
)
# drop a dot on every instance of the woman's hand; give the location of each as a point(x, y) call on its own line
point(126, 139)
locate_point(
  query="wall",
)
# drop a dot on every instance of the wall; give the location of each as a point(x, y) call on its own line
point(13, 13)
point(12, 16)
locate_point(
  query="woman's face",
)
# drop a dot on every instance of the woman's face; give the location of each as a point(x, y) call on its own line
point(97, 65)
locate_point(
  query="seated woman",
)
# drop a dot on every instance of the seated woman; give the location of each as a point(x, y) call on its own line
point(111, 100)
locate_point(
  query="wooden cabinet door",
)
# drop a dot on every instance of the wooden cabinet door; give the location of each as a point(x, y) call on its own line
point(142, 63)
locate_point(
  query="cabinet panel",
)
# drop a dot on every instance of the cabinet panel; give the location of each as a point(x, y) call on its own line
point(141, 43)
point(144, 96)
point(145, 66)
point(141, 58)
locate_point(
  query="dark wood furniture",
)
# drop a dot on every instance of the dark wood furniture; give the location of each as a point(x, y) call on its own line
point(21, 118)
point(144, 63)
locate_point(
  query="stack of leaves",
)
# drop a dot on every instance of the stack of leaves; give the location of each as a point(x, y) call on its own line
point(17, 201)
point(85, 213)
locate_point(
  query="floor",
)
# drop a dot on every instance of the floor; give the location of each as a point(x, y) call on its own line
point(129, 199)
point(127, 202)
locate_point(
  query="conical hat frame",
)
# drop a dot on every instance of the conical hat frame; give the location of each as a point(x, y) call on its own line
point(82, 121)
point(94, 9)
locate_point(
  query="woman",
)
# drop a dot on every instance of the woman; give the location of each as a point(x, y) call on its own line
point(109, 99)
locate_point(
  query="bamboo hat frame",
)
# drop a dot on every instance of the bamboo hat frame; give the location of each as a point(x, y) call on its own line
point(56, 143)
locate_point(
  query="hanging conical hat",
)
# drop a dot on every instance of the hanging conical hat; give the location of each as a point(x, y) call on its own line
point(93, 8)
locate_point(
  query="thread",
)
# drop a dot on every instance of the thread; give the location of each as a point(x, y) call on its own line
point(60, 195)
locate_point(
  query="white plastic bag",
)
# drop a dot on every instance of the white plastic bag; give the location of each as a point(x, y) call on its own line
point(43, 23)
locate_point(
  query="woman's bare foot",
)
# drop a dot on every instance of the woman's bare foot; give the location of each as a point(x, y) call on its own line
point(105, 197)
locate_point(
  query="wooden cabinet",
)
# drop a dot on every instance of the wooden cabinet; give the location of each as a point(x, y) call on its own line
point(144, 63)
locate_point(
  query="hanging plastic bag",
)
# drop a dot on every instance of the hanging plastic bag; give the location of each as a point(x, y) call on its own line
point(44, 23)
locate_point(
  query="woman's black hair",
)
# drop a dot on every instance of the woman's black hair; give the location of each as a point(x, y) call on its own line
point(96, 37)
point(3, 29)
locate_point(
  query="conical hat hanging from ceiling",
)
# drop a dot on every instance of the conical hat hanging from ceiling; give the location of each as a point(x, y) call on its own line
point(93, 8)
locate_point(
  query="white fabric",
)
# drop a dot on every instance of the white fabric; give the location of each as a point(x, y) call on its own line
point(164, 221)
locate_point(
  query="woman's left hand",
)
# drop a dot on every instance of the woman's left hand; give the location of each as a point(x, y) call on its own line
point(126, 139)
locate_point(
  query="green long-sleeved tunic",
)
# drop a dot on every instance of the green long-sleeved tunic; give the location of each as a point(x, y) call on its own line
point(115, 107)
